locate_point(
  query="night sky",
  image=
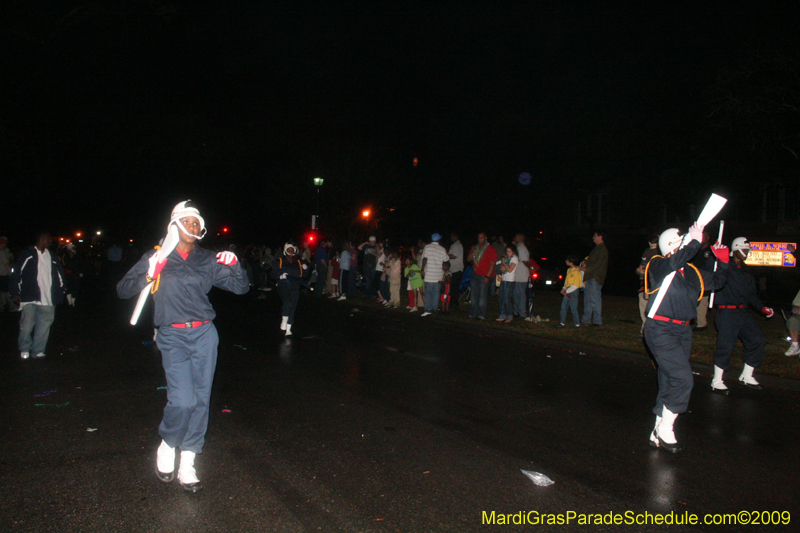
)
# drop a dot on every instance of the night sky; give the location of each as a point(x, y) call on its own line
point(113, 111)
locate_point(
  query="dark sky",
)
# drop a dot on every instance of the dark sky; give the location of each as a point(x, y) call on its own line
point(112, 112)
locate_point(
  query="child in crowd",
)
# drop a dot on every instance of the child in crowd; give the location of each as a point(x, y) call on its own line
point(445, 290)
point(395, 276)
point(415, 284)
point(572, 282)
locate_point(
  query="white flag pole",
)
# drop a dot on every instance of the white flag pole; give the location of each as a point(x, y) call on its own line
point(719, 240)
point(712, 209)
point(170, 242)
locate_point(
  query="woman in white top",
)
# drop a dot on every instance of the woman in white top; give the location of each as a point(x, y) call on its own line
point(507, 266)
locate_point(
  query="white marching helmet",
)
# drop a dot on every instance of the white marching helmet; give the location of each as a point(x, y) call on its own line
point(183, 210)
point(289, 246)
point(669, 241)
point(740, 243)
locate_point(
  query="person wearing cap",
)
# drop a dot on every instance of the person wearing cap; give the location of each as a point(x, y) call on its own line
point(289, 271)
point(735, 321)
point(186, 335)
point(37, 285)
point(433, 255)
point(6, 260)
point(667, 331)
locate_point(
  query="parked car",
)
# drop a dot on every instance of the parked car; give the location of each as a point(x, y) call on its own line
point(549, 276)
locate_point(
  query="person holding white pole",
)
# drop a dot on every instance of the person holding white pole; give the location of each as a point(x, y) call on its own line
point(186, 336)
point(667, 332)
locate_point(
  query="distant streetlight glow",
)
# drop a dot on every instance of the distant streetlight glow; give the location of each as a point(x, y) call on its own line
point(365, 213)
point(78, 234)
point(98, 233)
point(318, 184)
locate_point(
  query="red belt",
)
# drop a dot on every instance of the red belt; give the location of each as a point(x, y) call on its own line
point(190, 325)
point(731, 306)
point(672, 320)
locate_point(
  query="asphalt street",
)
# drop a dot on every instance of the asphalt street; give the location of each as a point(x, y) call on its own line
point(373, 420)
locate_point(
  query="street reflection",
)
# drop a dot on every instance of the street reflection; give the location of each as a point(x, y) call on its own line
point(285, 351)
point(662, 483)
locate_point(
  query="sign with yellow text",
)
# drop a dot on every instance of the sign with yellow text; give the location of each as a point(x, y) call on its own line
point(770, 254)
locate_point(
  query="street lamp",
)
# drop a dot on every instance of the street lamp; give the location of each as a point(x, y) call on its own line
point(318, 184)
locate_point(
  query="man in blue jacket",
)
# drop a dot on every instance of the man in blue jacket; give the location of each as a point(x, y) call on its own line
point(37, 285)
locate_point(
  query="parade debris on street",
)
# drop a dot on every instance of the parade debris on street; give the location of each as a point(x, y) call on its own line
point(538, 479)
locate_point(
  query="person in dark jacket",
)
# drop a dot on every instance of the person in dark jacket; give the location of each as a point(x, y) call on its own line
point(74, 266)
point(735, 321)
point(186, 336)
point(37, 286)
point(667, 332)
point(288, 271)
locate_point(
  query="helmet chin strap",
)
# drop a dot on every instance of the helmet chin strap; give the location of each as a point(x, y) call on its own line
point(180, 227)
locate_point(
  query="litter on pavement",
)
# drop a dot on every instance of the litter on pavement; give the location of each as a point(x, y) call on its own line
point(43, 394)
point(537, 478)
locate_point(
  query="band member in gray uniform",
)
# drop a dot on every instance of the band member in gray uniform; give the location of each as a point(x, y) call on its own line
point(186, 336)
point(667, 332)
point(735, 321)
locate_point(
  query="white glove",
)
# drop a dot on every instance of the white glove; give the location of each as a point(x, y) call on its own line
point(227, 258)
point(155, 266)
point(696, 233)
point(305, 266)
point(284, 275)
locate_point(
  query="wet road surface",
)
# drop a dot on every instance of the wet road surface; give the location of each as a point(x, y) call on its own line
point(371, 421)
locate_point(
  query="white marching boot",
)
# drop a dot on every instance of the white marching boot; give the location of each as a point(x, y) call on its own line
point(717, 385)
point(794, 349)
point(284, 322)
point(665, 433)
point(186, 473)
point(288, 330)
point(747, 378)
point(165, 463)
point(654, 433)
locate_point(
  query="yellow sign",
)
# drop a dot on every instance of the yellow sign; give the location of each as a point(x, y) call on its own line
point(770, 254)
